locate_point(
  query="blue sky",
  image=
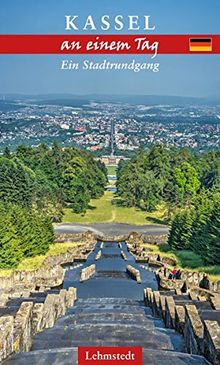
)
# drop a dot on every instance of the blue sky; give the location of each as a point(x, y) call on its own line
point(184, 75)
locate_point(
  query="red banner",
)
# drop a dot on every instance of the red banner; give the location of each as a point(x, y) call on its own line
point(109, 44)
point(109, 355)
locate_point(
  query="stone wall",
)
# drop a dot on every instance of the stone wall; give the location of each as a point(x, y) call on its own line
point(75, 237)
point(212, 341)
point(143, 254)
point(22, 328)
point(6, 336)
point(16, 332)
point(98, 256)
point(28, 280)
point(87, 272)
point(123, 255)
point(188, 279)
point(50, 274)
point(189, 314)
point(138, 239)
point(106, 238)
point(193, 330)
point(134, 273)
point(134, 240)
point(155, 239)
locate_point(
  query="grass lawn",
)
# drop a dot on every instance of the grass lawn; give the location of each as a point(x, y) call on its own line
point(33, 263)
point(111, 169)
point(105, 210)
point(187, 260)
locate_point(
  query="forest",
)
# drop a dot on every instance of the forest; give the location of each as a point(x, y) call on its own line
point(189, 185)
point(36, 184)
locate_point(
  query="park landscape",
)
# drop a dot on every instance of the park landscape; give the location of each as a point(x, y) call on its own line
point(69, 186)
point(94, 238)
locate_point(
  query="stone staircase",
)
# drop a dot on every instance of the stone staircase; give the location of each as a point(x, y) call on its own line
point(110, 311)
point(107, 322)
point(196, 318)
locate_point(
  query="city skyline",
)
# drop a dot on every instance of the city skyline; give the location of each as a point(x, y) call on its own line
point(108, 127)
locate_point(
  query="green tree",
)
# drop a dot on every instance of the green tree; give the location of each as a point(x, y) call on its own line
point(16, 182)
point(181, 230)
point(203, 208)
point(211, 235)
point(10, 244)
point(187, 181)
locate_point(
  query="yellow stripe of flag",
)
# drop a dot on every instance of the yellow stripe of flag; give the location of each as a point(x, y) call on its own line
point(200, 48)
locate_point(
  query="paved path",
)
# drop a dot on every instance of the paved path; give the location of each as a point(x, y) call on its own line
point(111, 229)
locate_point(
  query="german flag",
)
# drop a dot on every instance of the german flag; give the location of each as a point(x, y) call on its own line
point(200, 45)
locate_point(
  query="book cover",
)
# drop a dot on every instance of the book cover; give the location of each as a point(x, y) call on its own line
point(109, 182)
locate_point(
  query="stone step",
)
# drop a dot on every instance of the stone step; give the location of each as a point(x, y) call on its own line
point(108, 317)
point(199, 305)
point(53, 291)
point(108, 335)
point(111, 300)
point(18, 301)
point(110, 303)
point(39, 294)
point(9, 310)
point(100, 325)
point(68, 356)
point(181, 297)
point(203, 306)
point(168, 293)
point(211, 315)
point(109, 308)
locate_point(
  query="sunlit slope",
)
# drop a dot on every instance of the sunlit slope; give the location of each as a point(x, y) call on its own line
point(106, 209)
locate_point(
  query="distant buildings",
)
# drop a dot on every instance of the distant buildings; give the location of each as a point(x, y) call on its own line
point(90, 126)
point(111, 160)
